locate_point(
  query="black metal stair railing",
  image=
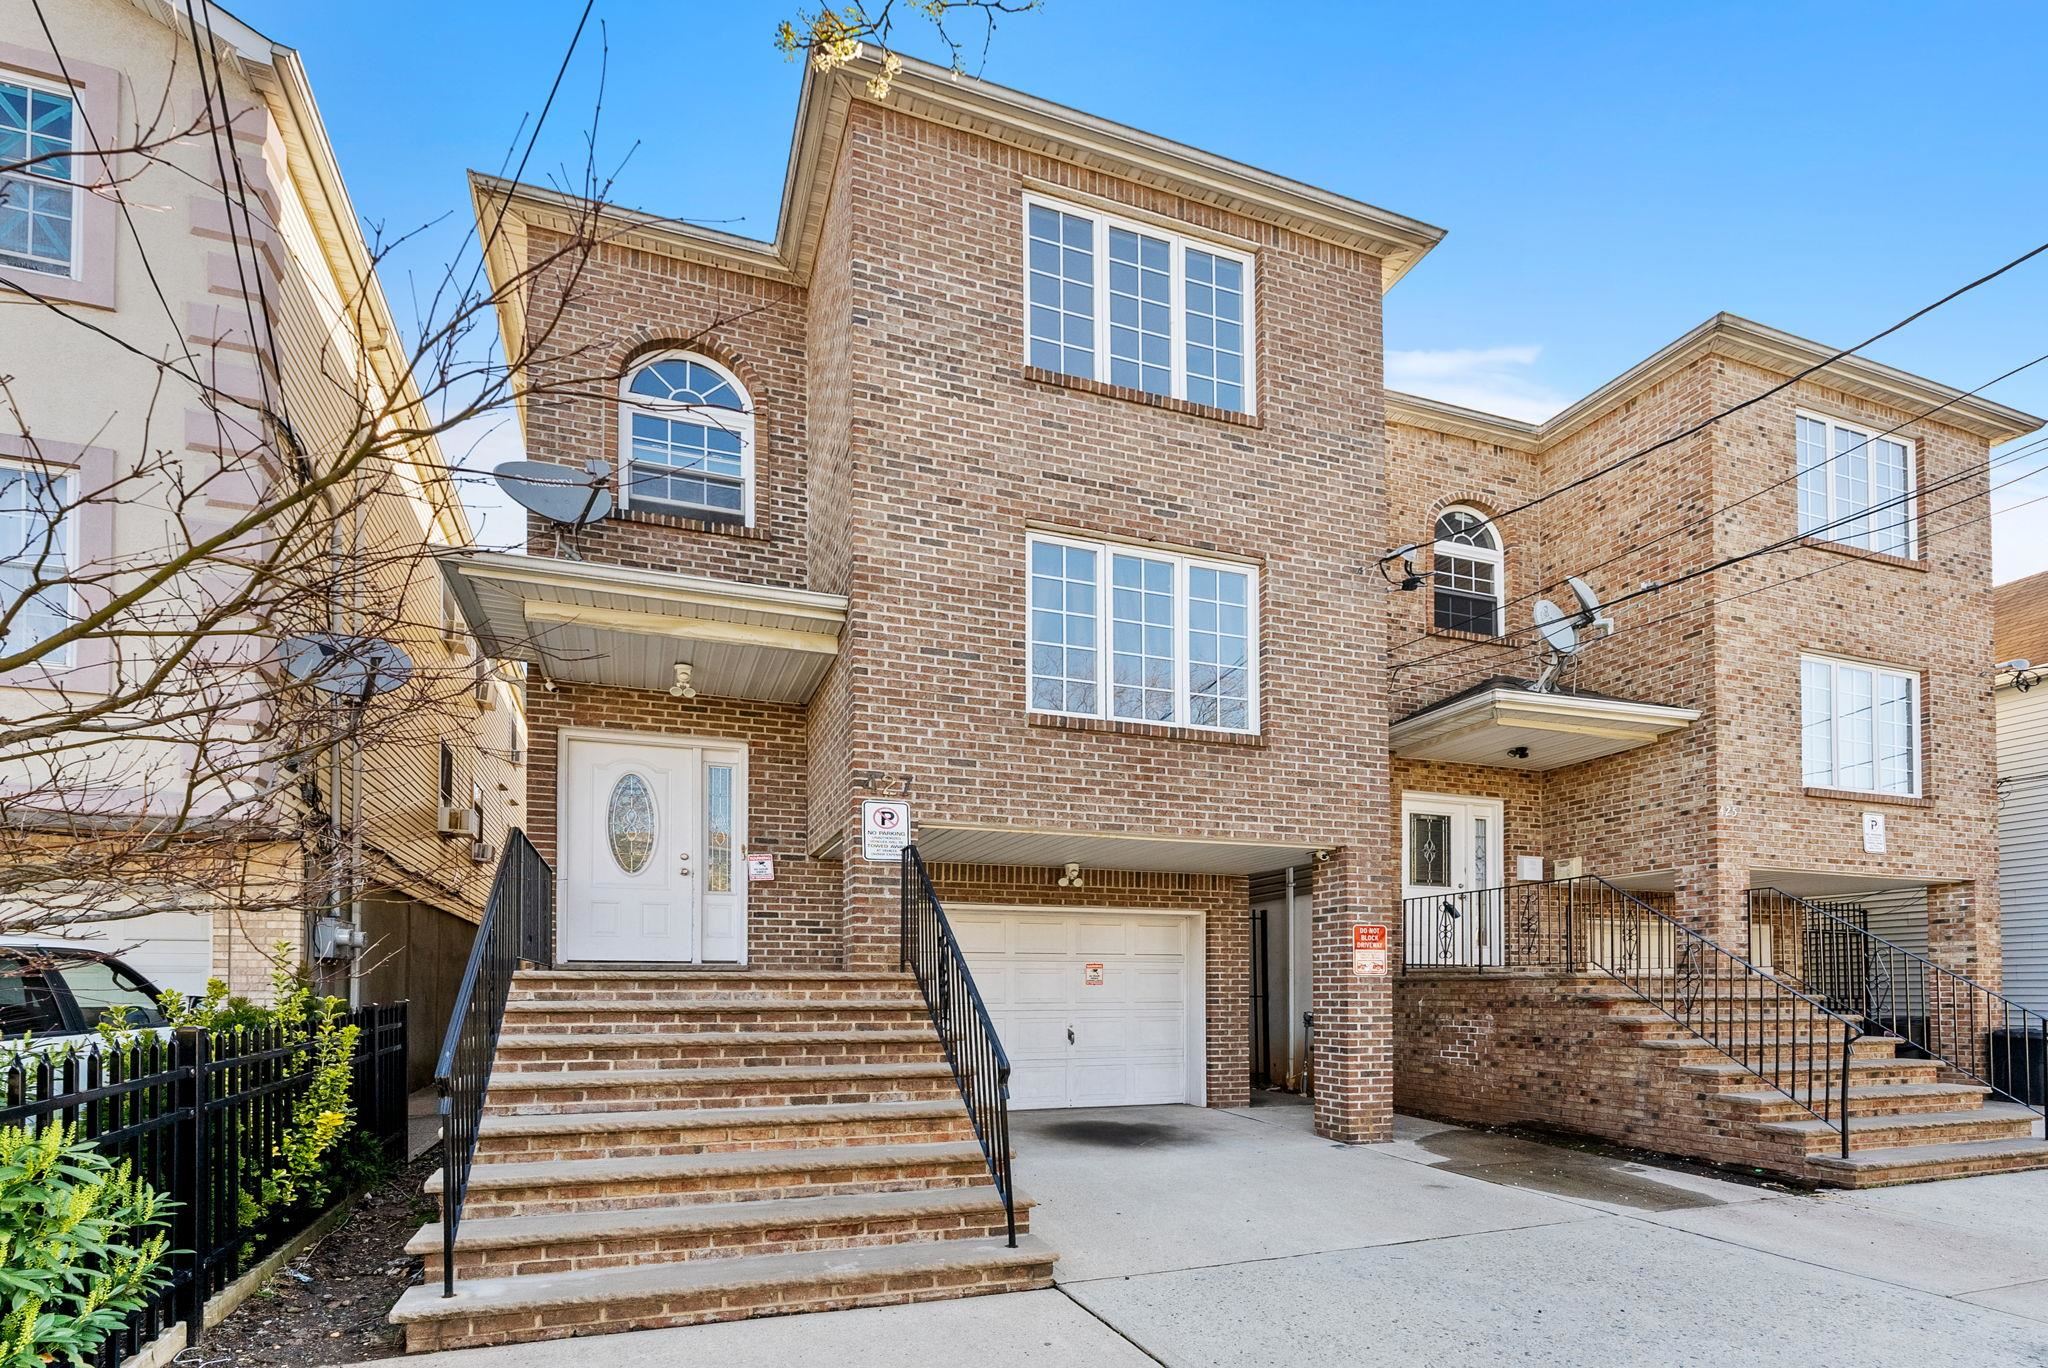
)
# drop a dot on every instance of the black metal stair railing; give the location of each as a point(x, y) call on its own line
point(516, 928)
point(1975, 1030)
point(980, 1066)
point(1790, 1039)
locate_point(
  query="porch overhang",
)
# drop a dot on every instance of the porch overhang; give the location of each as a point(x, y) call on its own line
point(582, 623)
point(1505, 724)
point(971, 843)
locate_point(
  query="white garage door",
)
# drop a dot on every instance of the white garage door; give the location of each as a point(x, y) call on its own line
point(173, 950)
point(1094, 1008)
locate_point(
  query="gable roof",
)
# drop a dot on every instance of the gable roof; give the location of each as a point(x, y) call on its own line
point(2019, 620)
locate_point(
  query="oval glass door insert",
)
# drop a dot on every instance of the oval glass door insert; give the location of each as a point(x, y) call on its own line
point(629, 823)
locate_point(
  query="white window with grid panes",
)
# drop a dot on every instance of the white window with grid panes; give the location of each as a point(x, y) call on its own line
point(1856, 486)
point(35, 559)
point(1137, 306)
point(1133, 634)
point(687, 433)
point(39, 199)
point(1860, 726)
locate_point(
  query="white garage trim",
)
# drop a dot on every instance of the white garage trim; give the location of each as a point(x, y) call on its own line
point(1197, 1093)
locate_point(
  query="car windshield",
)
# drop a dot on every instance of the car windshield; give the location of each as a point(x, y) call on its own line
point(101, 986)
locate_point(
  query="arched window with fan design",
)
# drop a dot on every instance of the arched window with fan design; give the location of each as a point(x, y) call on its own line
point(687, 429)
point(1471, 573)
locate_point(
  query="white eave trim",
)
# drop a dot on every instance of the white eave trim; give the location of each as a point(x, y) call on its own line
point(1508, 706)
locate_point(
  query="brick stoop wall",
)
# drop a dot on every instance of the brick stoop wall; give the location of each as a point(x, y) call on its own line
point(1583, 1055)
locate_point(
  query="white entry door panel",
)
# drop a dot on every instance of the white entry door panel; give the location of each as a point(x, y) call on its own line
point(1450, 856)
point(650, 841)
point(1095, 1009)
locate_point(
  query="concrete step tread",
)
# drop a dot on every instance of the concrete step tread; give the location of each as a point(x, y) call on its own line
point(640, 1168)
point(519, 1232)
point(598, 1286)
point(718, 971)
point(1759, 1043)
point(1729, 1068)
point(709, 1003)
point(714, 1118)
point(550, 1079)
point(1870, 1092)
point(1990, 1112)
point(1934, 1156)
point(650, 1039)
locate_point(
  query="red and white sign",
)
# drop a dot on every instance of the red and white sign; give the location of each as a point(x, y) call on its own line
point(1091, 976)
point(1368, 950)
point(760, 869)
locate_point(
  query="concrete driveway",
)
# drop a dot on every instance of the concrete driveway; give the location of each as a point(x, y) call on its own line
point(1191, 1237)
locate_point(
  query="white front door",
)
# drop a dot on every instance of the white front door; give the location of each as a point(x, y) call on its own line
point(1450, 879)
point(1094, 1009)
point(650, 852)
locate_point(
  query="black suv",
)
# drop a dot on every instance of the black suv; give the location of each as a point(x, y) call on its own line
point(55, 989)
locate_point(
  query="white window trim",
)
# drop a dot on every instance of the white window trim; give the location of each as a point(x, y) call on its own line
point(67, 655)
point(1868, 451)
point(1834, 664)
point(1105, 652)
point(1177, 245)
point(742, 420)
point(74, 268)
point(1495, 556)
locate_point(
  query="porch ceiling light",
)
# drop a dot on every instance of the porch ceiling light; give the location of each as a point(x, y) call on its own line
point(1072, 877)
point(683, 687)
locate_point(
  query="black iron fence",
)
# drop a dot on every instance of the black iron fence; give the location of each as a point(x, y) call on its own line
point(1791, 1040)
point(198, 1115)
point(517, 928)
point(1944, 1015)
point(980, 1067)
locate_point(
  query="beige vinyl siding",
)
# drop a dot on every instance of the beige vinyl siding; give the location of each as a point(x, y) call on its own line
point(2023, 842)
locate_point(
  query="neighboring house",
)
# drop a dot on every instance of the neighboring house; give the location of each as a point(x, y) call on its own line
point(139, 257)
point(1038, 474)
point(2021, 633)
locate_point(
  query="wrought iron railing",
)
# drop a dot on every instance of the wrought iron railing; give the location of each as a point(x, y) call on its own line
point(980, 1067)
point(517, 927)
point(1974, 1030)
point(1791, 1040)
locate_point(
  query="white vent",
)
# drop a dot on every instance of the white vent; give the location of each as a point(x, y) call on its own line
point(457, 821)
point(482, 852)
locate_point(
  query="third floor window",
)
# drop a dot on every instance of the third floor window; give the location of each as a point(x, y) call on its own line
point(1855, 486)
point(689, 440)
point(1137, 306)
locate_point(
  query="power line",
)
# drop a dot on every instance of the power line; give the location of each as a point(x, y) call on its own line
point(1753, 400)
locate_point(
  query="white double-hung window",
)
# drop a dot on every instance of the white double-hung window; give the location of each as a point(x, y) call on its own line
point(1130, 633)
point(35, 559)
point(38, 198)
point(1860, 726)
point(1856, 486)
point(1137, 306)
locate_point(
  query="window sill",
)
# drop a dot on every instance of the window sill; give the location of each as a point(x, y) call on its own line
point(1456, 634)
point(1857, 796)
point(1162, 731)
point(1058, 380)
point(688, 524)
point(1858, 553)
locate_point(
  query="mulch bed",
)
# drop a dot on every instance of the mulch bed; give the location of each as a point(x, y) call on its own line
point(328, 1305)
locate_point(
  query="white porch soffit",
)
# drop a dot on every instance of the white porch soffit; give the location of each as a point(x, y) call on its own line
point(582, 623)
point(1487, 724)
point(967, 843)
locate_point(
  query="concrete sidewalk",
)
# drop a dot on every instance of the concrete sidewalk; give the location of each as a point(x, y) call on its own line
point(1191, 1237)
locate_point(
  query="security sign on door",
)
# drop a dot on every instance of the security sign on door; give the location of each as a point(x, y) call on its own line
point(1450, 876)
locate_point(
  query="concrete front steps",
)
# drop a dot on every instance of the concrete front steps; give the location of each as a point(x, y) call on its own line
point(1910, 1119)
point(668, 1148)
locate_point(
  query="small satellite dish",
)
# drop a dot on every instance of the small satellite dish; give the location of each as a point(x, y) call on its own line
point(1589, 606)
point(336, 663)
point(1560, 634)
point(561, 494)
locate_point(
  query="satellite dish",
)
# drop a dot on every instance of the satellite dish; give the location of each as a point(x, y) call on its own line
point(337, 663)
point(1560, 634)
point(1589, 606)
point(561, 494)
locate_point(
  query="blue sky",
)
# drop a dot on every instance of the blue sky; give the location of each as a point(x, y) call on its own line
point(1610, 175)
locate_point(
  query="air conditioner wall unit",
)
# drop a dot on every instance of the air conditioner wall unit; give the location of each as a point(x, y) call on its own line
point(457, 821)
point(482, 852)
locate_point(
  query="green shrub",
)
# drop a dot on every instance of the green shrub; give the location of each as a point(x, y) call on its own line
point(81, 1246)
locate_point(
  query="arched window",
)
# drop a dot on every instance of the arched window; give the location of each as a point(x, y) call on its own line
point(688, 436)
point(1470, 573)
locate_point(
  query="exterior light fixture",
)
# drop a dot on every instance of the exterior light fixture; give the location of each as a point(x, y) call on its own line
point(1072, 877)
point(683, 687)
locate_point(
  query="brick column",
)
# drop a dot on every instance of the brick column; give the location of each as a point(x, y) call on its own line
point(873, 901)
point(1354, 1027)
point(1962, 930)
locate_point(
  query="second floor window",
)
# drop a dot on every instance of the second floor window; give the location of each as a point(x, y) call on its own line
point(1134, 634)
point(1470, 574)
point(1860, 726)
point(38, 202)
point(1855, 486)
point(1137, 306)
point(35, 590)
point(689, 440)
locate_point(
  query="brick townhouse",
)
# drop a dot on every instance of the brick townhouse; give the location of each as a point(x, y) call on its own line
point(1038, 475)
